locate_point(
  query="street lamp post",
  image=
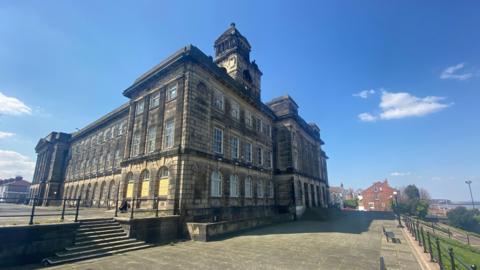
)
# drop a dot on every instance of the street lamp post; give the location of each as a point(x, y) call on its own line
point(397, 210)
point(468, 182)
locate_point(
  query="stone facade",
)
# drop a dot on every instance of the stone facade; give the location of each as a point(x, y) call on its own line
point(196, 135)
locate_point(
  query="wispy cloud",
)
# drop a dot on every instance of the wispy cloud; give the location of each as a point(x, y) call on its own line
point(365, 93)
point(13, 164)
point(13, 106)
point(454, 72)
point(400, 173)
point(402, 104)
point(4, 135)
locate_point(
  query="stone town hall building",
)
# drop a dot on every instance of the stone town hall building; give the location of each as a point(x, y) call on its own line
point(196, 135)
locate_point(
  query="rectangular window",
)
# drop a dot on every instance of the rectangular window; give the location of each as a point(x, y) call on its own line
point(234, 144)
point(260, 156)
point(218, 141)
point(172, 92)
point(135, 148)
point(248, 187)
point(139, 107)
point(248, 152)
point(169, 134)
point(218, 100)
point(259, 125)
point(155, 100)
point(270, 190)
point(248, 118)
point(151, 136)
point(235, 110)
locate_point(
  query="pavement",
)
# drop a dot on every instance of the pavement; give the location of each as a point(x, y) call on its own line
point(352, 241)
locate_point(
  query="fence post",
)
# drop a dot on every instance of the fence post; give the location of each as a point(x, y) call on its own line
point(415, 231)
point(116, 208)
point(76, 210)
point(473, 267)
point(452, 257)
point(430, 246)
point(433, 227)
point(133, 206)
point(468, 239)
point(419, 236)
point(440, 263)
point(423, 240)
point(449, 233)
point(33, 211)
point(63, 209)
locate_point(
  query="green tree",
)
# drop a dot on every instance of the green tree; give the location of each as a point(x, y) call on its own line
point(352, 203)
point(463, 218)
point(412, 192)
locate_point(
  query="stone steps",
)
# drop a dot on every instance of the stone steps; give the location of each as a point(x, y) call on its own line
point(96, 238)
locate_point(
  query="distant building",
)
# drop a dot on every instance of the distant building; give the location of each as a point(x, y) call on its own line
point(13, 189)
point(377, 197)
point(340, 194)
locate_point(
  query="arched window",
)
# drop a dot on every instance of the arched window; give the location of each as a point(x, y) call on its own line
point(260, 189)
point(216, 184)
point(163, 181)
point(129, 181)
point(248, 187)
point(144, 183)
point(234, 186)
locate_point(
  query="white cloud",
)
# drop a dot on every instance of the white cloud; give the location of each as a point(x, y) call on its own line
point(364, 93)
point(400, 173)
point(453, 73)
point(13, 164)
point(13, 106)
point(4, 135)
point(400, 105)
point(366, 117)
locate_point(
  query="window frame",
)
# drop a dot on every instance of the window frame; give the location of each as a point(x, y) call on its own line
point(234, 146)
point(215, 142)
point(234, 186)
point(139, 107)
point(169, 139)
point(216, 184)
point(154, 100)
point(169, 96)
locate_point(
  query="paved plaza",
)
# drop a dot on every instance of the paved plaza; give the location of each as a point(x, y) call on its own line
point(352, 241)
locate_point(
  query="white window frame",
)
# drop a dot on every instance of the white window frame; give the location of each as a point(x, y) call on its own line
point(151, 139)
point(234, 192)
point(139, 107)
point(155, 100)
point(235, 110)
point(172, 92)
point(234, 147)
point(169, 134)
point(135, 151)
point(248, 187)
point(216, 184)
point(248, 152)
point(218, 100)
point(260, 189)
point(217, 146)
point(248, 118)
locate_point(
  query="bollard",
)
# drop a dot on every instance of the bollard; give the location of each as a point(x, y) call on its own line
point(430, 246)
point(156, 203)
point(63, 209)
point(423, 240)
point(32, 214)
point(440, 263)
point(452, 258)
point(116, 208)
point(133, 205)
point(76, 210)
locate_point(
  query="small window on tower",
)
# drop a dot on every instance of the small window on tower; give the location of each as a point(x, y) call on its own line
point(247, 76)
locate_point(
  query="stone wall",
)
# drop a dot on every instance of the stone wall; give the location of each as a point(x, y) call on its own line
point(152, 230)
point(210, 231)
point(30, 244)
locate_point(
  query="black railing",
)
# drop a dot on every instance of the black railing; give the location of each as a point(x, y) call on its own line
point(72, 207)
point(432, 243)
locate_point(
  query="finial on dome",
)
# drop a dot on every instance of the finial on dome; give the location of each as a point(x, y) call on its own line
point(232, 25)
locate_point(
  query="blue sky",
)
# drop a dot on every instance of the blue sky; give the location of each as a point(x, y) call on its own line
point(393, 85)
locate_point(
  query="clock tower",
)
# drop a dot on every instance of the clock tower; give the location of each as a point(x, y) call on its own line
point(232, 52)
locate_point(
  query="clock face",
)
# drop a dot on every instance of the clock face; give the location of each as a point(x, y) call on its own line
point(232, 61)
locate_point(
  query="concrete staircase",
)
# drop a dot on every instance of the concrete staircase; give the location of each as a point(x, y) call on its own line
point(96, 238)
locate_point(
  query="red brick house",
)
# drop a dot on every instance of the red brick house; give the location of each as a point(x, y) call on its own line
point(377, 197)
